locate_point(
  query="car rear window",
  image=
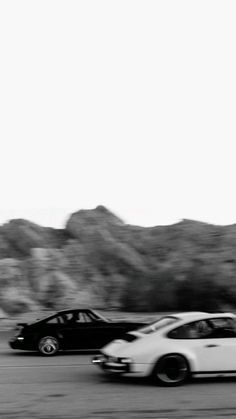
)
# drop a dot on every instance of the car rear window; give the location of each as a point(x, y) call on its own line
point(159, 324)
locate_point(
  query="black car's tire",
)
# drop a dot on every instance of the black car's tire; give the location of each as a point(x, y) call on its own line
point(171, 370)
point(48, 345)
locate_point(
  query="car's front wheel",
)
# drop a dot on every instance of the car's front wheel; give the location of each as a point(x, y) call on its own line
point(171, 370)
point(48, 345)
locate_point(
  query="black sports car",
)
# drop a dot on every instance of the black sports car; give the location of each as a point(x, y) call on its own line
point(68, 330)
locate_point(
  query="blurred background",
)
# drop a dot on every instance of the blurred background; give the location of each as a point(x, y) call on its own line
point(98, 261)
point(129, 104)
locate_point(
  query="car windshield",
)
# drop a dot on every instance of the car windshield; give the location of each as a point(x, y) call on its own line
point(98, 316)
point(42, 318)
point(159, 324)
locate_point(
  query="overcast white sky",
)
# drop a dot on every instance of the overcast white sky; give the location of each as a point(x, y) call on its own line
point(129, 104)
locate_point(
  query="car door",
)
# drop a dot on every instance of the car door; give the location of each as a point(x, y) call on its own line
point(86, 334)
point(74, 331)
point(97, 331)
point(217, 352)
point(211, 343)
point(108, 331)
point(81, 331)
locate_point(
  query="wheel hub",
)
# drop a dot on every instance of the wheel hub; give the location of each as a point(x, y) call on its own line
point(48, 345)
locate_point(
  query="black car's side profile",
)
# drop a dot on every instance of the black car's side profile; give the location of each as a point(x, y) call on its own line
point(69, 330)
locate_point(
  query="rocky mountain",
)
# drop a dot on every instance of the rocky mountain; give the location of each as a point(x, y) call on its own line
point(100, 261)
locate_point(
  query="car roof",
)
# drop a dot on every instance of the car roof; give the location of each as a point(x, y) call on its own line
point(198, 315)
point(66, 310)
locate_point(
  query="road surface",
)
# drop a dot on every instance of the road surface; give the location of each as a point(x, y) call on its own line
point(67, 386)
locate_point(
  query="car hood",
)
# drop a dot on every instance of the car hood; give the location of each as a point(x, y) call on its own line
point(21, 324)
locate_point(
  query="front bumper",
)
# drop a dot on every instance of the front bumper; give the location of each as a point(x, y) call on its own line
point(18, 343)
point(113, 365)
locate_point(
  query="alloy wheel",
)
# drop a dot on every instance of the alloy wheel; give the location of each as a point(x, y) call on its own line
point(48, 345)
point(172, 370)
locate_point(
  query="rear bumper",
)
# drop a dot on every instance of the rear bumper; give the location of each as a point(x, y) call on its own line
point(113, 366)
point(127, 367)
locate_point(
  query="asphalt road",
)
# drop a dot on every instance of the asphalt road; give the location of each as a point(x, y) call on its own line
point(67, 386)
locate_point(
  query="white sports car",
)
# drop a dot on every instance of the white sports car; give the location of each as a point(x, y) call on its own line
point(174, 348)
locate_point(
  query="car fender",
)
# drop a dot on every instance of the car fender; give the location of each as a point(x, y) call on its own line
point(185, 352)
point(144, 352)
point(42, 333)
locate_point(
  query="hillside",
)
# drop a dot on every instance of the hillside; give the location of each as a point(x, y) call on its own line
point(100, 261)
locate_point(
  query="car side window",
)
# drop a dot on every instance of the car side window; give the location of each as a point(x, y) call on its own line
point(74, 318)
point(87, 318)
point(195, 330)
point(54, 320)
point(223, 327)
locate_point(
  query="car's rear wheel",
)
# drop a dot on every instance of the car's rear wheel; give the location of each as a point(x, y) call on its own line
point(48, 345)
point(171, 370)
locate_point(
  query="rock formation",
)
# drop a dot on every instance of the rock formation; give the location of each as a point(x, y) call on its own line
point(100, 261)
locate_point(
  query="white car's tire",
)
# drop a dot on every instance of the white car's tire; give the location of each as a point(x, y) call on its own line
point(48, 345)
point(171, 370)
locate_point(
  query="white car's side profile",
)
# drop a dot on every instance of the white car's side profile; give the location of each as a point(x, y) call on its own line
point(174, 348)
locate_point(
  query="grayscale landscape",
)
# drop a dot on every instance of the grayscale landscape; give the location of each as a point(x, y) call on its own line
point(117, 210)
point(99, 261)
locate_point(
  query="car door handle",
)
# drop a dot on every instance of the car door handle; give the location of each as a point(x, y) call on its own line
point(211, 345)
